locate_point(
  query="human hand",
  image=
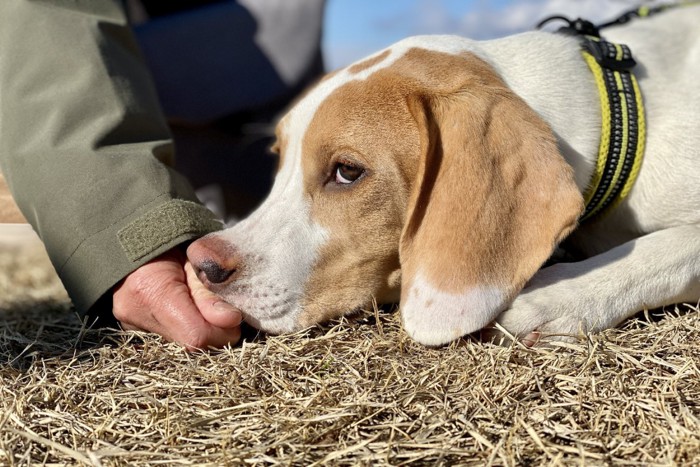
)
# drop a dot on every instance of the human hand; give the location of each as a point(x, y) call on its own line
point(166, 297)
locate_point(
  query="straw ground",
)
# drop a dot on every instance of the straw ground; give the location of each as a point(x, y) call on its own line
point(356, 392)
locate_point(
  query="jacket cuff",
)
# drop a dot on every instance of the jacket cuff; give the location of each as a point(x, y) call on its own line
point(162, 225)
point(107, 257)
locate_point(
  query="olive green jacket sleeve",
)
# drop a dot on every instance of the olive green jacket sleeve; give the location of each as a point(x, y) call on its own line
point(83, 143)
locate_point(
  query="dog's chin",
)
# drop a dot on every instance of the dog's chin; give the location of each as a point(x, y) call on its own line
point(266, 312)
point(280, 325)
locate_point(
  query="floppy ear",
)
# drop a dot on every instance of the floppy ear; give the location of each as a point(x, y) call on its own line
point(491, 200)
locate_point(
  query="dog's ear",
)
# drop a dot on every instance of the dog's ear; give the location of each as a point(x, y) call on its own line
point(491, 199)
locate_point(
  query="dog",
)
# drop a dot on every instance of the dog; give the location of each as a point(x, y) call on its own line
point(442, 173)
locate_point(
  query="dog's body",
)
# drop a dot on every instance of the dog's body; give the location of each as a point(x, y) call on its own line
point(440, 171)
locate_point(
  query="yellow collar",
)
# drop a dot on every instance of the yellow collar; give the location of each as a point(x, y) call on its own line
point(623, 125)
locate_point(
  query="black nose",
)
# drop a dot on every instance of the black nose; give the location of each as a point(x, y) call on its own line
point(214, 272)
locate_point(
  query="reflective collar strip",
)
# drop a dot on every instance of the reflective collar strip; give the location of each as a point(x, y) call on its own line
point(623, 126)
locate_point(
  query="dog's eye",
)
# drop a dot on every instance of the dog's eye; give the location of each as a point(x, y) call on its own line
point(346, 173)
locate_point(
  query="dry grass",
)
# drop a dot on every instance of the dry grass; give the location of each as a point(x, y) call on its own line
point(357, 393)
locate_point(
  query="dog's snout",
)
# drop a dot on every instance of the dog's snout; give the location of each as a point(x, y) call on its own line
point(213, 260)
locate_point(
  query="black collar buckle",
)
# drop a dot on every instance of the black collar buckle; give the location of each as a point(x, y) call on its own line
point(616, 57)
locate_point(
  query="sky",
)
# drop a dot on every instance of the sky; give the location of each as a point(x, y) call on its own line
point(357, 28)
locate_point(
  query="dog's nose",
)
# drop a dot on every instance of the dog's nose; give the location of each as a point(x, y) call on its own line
point(213, 271)
point(213, 260)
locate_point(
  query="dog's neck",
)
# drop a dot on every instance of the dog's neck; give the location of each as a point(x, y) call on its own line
point(547, 70)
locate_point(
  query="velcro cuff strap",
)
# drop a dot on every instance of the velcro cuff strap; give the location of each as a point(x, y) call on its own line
point(162, 225)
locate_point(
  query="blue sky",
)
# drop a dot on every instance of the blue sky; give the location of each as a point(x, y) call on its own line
point(356, 28)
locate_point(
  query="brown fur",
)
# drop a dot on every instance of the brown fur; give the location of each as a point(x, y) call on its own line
point(364, 220)
point(493, 196)
point(358, 67)
point(463, 182)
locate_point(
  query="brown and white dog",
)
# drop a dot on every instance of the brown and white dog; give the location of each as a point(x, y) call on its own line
point(443, 172)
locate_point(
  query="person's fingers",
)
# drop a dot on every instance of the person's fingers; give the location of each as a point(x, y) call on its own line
point(129, 327)
point(220, 337)
point(156, 298)
point(215, 310)
point(181, 321)
point(132, 299)
point(175, 317)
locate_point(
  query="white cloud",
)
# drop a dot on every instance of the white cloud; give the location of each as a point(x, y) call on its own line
point(485, 19)
point(487, 22)
point(490, 19)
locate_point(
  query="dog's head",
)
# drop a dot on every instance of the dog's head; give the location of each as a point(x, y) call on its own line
point(414, 175)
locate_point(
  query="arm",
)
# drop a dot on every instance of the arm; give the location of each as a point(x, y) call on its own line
point(83, 146)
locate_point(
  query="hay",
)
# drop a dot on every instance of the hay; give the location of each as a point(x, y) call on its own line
point(351, 393)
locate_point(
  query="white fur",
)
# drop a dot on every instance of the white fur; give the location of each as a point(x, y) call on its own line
point(644, 254)
point(602, 291)
point(434, 317)
point(280, 242)
point(547, 71)
point(278, 247)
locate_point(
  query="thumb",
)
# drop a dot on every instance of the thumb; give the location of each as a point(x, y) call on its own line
point(212, 307)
